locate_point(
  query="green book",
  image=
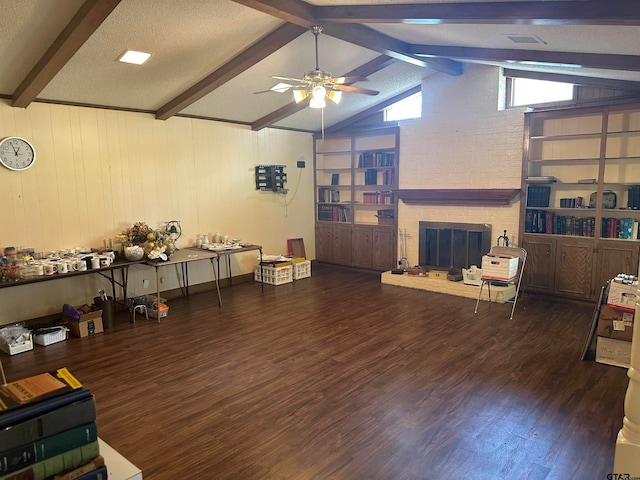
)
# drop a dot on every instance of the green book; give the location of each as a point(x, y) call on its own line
point(25, 455)
point(57, 464)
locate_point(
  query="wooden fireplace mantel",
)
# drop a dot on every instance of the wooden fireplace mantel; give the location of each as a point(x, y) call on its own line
point(462, 196)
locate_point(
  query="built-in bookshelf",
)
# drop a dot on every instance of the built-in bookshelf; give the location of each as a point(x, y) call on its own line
point(581, 180)
point(356, 179)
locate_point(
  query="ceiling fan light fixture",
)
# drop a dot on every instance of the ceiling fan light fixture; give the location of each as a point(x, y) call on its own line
point(317, 102)
point(299, 95)
point(335, 96)
point(319, 92)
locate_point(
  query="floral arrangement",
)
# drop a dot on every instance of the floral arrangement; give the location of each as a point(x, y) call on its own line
point(157, 244)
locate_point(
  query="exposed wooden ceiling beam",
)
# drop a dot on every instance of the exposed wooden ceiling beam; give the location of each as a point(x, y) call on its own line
point(365, 70)
point(86, 21)
point(587, 60)
point(374, 109)
point(581, 12)
point(302, 13)
point(256, 52)
point(574, 79)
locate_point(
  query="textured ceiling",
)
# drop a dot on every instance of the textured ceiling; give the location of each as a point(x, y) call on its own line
point(201, 42)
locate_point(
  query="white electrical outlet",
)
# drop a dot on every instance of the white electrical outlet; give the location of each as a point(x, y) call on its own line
point(145, 283)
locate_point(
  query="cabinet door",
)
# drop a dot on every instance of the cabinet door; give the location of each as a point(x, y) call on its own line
point(384, 252)
point(540, 266)
point(341, 244)
point(574, 267)
point(362, 246)
point(324, 242)
point(615, 257)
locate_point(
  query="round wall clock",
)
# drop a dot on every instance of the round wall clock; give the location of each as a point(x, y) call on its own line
point(16, 153)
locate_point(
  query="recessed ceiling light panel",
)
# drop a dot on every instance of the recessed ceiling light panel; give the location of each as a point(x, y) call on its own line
point(531, 39)
point(132, 56)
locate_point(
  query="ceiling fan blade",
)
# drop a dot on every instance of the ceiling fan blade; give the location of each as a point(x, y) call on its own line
point(288, 78)
point(347, 80)
point(349, 88)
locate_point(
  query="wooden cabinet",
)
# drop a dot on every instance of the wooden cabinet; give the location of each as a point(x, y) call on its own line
point(356, 178)
point(581, 206)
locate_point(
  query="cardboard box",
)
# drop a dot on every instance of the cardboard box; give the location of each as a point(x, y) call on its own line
point(499, 268)
point(12, 349)
point(623, 295)
point(89, 324)
point(613, 352)
point(614, 323)
point(437, 274)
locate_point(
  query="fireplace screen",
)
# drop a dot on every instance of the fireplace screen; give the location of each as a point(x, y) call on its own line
point(453, 245)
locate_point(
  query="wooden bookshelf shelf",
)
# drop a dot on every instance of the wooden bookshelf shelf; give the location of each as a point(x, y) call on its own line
point(463, 196)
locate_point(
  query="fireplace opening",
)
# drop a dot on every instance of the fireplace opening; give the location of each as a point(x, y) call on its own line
point(452, 245)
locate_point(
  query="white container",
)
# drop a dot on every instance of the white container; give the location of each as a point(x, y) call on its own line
point(301, 270)
point(499, 268)
point(274, 275)
point(12, 349)
point(52, 337)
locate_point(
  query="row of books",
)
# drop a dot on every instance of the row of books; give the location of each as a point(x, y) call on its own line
point(624, 228)
point(576, 202)
point(333, 213)
point(371, 177)
point(378, 198)
point(48, 428)
point(633, 197)
point(328, 195)
point(543, 221)
point(376, 159)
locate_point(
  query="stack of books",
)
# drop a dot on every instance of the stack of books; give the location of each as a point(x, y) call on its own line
point(48, 429)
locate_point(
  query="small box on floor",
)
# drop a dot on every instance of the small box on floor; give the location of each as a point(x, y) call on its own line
point(301, 268)
point(614, 323)
point(48, 336)
point(89, 323)
point(613, 352)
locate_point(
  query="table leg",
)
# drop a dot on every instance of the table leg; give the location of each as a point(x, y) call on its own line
point(158, 292)
point(215, 279)
point(261, 272)
point(229, 269)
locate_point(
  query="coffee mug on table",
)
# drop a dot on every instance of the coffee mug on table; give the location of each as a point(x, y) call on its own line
point(105, 261)
point(49, 268)
point(95, 262)
point(63, 267)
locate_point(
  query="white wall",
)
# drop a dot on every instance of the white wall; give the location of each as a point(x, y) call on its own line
point(99, 171)
point(461, 141)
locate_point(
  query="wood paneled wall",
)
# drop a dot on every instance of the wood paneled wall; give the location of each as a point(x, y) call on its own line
point(98, 171)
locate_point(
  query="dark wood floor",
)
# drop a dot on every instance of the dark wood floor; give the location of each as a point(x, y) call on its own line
point(339, 377)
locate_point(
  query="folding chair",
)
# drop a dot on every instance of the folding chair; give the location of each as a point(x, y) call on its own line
point(518, 252)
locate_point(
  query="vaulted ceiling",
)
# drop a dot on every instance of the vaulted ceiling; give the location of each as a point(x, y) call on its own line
point(210, 56)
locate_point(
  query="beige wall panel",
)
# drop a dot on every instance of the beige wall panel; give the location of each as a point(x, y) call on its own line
point(99, 171)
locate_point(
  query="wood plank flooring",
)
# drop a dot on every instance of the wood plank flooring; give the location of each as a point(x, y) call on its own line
point(339, 377)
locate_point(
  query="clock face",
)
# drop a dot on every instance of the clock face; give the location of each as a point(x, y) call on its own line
point(16, 153)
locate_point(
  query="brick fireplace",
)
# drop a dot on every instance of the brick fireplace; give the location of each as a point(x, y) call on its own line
point(446, 245)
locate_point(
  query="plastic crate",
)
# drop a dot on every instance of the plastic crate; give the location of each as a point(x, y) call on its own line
point(54, 335)
point(12, 349)
point(274, 275)
point(302, 270)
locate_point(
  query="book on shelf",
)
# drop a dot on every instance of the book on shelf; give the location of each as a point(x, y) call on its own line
point(28, 454)
point(543, 179)
point(371, 176)
point(19, 393)
point(64, 462)
point(58, 417)
point(335, 179)
point(376, 159)
point(328, 195)
point(538, 196)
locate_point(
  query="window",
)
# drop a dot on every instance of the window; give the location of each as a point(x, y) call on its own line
point(527, 91)
point(410, 107)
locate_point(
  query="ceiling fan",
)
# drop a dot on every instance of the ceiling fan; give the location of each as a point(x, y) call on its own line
point(319, 84)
